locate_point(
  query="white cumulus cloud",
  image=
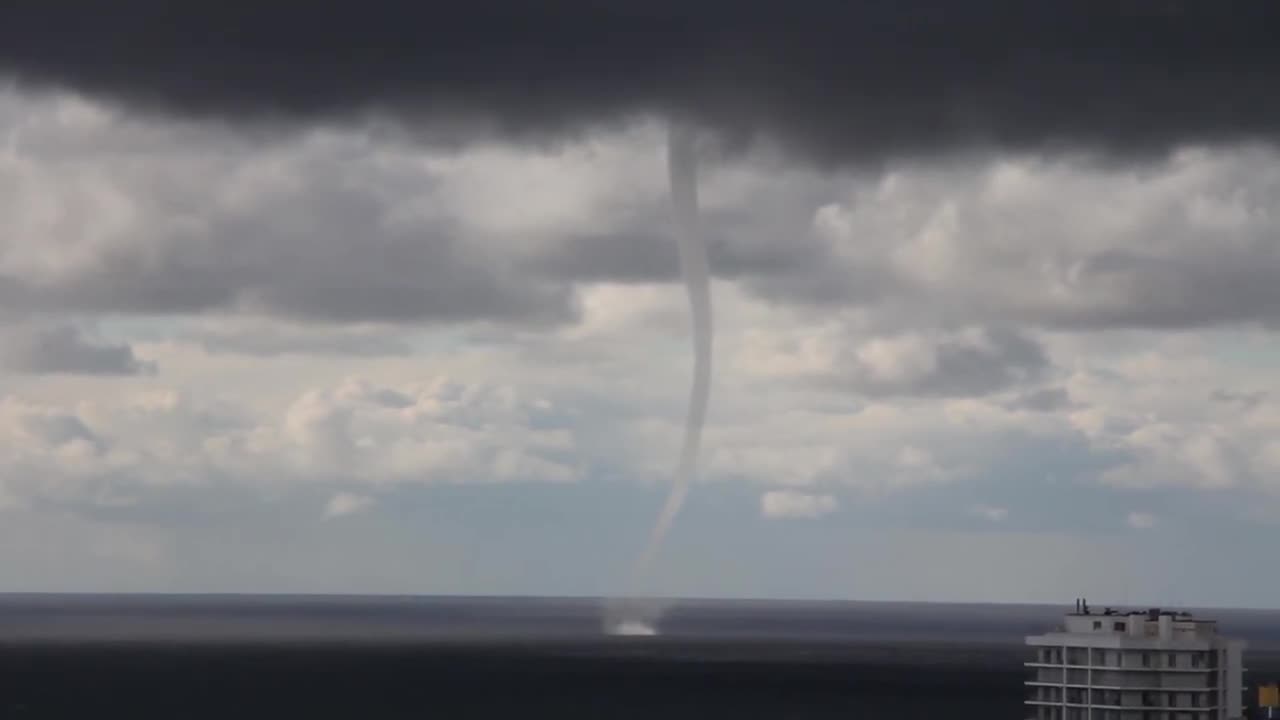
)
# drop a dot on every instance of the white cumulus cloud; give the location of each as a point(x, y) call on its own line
point(345, 503)
point(792, 504)
point(992, 513)
point(1141, 520)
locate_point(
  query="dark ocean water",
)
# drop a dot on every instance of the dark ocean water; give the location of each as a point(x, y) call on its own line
point(289, 656)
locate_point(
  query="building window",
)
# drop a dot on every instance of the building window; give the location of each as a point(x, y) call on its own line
point(1118, 626)
point(1172, 660)
point(1146, 659)
point(1097, 624)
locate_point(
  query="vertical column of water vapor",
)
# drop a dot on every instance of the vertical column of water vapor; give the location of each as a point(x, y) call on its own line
point(682, 165)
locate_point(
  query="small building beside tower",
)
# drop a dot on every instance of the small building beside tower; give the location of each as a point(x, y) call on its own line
point(1268, 702)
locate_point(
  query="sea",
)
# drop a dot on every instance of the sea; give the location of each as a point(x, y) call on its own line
point(281, 656)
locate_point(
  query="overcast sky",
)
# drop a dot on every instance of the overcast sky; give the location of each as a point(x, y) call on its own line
point(996, 304)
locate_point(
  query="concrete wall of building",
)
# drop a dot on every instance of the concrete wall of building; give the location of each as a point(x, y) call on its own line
point(1233, 689)
point(1169, 660)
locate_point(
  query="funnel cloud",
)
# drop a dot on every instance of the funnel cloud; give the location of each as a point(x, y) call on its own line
point(682, 163)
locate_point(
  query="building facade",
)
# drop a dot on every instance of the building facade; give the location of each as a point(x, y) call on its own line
point(1149, 665)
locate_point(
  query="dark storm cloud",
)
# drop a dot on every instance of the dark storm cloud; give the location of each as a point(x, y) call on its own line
point(763, 238)
point(633, 254)
point(961, 368)
point(832, 79)
point(272, 342)
point(1245, 400)
point(979, 363)
point(1198, 289)
point(309, 283)
point(337, 293)
point(1043, 400)
point(64, 350)
point(322, 244)
point(58, 429)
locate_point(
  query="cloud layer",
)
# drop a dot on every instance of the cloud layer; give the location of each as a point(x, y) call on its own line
point(64, 350)
point(354, 227)
point(224, 343)
point(314, 227)
point(837, 81)
point(354, 435)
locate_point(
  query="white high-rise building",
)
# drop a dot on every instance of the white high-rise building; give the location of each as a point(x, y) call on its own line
point(1149, 665)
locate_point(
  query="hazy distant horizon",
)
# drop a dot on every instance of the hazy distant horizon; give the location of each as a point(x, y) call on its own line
point(401, 619)
point(781, 600)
